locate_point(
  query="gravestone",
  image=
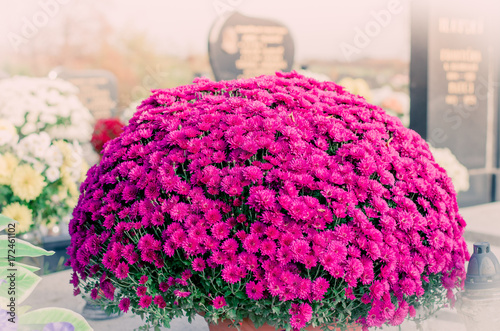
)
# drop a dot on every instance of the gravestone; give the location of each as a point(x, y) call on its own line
point(98, 89)
point(453, 88)
point(243, 47)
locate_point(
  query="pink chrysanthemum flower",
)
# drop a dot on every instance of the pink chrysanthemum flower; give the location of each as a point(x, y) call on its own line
point(122, 270)
point(198, 264)
point(182, 294)
point(219, 302)
point(124, 304)
point(220, 230)
point(141, 291)
point(94, 294)
point(163, 287)
point(232, 273)
point(255, 291)
point(159, 301)
point(145, 301)
point(143, 279)
point(319, 288)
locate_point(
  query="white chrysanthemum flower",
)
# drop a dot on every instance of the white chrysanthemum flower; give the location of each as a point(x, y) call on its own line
point(77, 148)
point(8, 133)
point(16, 117)
point(32, 116)
point(47, 118)
point(38, 166)
point(28, 128)
point(52, 174)
point(23, 148)
point(54, 156)
point(54, 97)
point(33, 146)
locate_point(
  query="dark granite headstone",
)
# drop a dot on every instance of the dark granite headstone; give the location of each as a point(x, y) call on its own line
point(242, 47)
point(98, 89)
point(497, 187)
point(452, 87)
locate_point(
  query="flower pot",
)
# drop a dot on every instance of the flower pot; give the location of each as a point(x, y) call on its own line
point(58, 244)
point(247, 325)
point(93, 311)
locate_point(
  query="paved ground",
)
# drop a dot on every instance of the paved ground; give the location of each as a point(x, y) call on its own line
point(55, 291)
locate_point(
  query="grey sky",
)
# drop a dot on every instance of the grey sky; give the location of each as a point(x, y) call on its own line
point(318, 27)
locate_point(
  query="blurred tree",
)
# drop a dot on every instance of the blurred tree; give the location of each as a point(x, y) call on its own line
point(80, 37)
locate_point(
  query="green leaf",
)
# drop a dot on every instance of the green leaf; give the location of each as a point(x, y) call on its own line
point(25, 282)
point(23, 309)
point(24, 248)
point(5, 264)
point(231, 313)
point(50, 315)
point(4, 221)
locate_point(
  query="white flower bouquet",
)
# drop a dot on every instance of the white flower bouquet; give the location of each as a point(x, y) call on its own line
point(39, 177)
point(45, 105)
point(456, 171)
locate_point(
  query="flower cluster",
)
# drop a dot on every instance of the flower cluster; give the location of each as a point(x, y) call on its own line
point(105, 130)
point(39, 177)
point(456, 171)
point(36, 105)
point(278, 198)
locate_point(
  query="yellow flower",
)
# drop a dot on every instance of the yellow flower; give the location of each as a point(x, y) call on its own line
point(72, 189)
point(27, 183)
point(62, 193)
point(20, 213)
point(8, 162)
point(66, 151)
point(72, 202)
point(67, 182)
point(83, 174)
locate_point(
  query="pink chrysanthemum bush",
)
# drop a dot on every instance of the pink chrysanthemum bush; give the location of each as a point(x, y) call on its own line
point(277, 198)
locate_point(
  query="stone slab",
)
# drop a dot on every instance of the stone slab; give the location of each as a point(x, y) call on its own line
point(483, 223)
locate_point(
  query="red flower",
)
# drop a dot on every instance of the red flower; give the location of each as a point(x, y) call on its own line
point(104, 131)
